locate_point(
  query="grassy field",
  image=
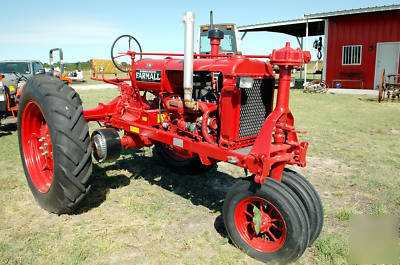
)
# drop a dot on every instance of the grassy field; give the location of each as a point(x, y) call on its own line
point(87, 74)
point(141, 213)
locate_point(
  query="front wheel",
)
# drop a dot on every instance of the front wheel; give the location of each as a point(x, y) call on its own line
point(266, 221)
point(310, 199)
point(54, 144)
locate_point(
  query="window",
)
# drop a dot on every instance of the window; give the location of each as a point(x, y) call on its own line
point(36, 67)
point(228, 43)
point(351, 55)
point(10, 67)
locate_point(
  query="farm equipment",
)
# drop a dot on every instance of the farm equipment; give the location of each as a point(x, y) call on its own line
point(196, 111)
point(76, 75)
point(389, 87)
point(8, 105)
point(13, 75)
point(315, 86)
point(71, 77)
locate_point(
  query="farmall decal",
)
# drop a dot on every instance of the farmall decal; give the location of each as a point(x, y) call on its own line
point(153, 76)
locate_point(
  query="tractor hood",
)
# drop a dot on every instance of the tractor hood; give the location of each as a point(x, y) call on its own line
point(167, 74)
point(237, 65)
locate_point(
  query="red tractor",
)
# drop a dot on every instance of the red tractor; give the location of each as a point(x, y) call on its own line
point(196, 111)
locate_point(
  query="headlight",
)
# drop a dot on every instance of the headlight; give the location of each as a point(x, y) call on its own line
point(245, 81)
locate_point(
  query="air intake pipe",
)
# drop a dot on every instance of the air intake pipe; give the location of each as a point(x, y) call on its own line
point(188, 21)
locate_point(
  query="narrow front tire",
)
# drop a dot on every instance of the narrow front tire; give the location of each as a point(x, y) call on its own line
point(266, 221)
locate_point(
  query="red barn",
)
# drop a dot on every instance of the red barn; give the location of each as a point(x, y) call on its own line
point(358, 43)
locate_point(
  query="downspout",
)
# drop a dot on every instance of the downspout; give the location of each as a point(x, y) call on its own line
point(326, 30)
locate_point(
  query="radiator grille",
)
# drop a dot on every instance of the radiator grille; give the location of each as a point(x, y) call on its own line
point(255, 107)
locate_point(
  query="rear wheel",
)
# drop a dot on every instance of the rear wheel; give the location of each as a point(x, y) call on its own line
point(310, 199)
point(54, 144)
point(180, 161)
point(266, 221)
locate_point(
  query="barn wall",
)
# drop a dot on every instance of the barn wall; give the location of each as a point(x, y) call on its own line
point(365, 30)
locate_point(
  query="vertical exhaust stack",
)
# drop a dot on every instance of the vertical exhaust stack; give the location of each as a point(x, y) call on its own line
point(215, 35)
point(188, 20)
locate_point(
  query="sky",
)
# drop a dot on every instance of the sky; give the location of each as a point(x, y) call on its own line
point(87, 29)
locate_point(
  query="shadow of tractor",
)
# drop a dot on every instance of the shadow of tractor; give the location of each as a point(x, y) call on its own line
point(7, 128)
point(207, 188)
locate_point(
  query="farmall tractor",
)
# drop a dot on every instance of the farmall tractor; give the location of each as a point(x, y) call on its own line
point(197, 110)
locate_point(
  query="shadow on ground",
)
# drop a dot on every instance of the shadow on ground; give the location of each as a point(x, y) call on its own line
point(207, 189)
point(375, 99)
point(7, 128)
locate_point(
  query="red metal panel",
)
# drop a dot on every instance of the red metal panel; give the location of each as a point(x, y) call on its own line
point(172, 82)
point(363, 29)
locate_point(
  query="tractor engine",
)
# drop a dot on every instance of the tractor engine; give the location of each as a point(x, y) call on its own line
point(237, 100)
point(236, 91)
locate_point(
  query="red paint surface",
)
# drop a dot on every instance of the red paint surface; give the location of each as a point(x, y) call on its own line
point(126, 112)
point(366, 30)
point(36, 140)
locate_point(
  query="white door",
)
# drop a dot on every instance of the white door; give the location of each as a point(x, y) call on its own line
point(387, 56)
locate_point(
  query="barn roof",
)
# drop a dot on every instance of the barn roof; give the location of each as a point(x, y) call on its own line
point(352, 11)
point(316, 22)
point(295, 27)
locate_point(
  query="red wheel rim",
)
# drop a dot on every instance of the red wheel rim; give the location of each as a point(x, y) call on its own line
point(175, 154)
point(37, 148)
point(272, 233)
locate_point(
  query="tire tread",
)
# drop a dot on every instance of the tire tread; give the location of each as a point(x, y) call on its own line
point(278, 194)
point(71, 144)
point(309, 198)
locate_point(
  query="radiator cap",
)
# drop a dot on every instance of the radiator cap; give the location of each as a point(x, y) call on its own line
point(289, 56)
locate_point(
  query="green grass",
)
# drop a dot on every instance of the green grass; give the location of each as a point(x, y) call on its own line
point(331, 249)
point(141, 213)
point(345, 214)
point(360, 133)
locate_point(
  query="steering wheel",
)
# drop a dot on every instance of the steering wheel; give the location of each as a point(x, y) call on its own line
point(118, 50)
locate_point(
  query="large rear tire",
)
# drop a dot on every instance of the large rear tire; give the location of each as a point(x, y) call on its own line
point(283, 231)
point(54, 144)
point(310, 199)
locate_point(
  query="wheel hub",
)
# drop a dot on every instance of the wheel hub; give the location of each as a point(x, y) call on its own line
point(37, 147)
point(271, 234)
point(45, 146)
point(265, 223)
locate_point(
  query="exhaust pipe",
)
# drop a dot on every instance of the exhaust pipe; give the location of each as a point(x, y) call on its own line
point(188, 20)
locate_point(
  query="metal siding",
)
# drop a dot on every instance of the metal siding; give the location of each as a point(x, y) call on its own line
point(365, 30)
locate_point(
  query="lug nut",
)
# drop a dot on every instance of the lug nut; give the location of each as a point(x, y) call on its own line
point(45, 153)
